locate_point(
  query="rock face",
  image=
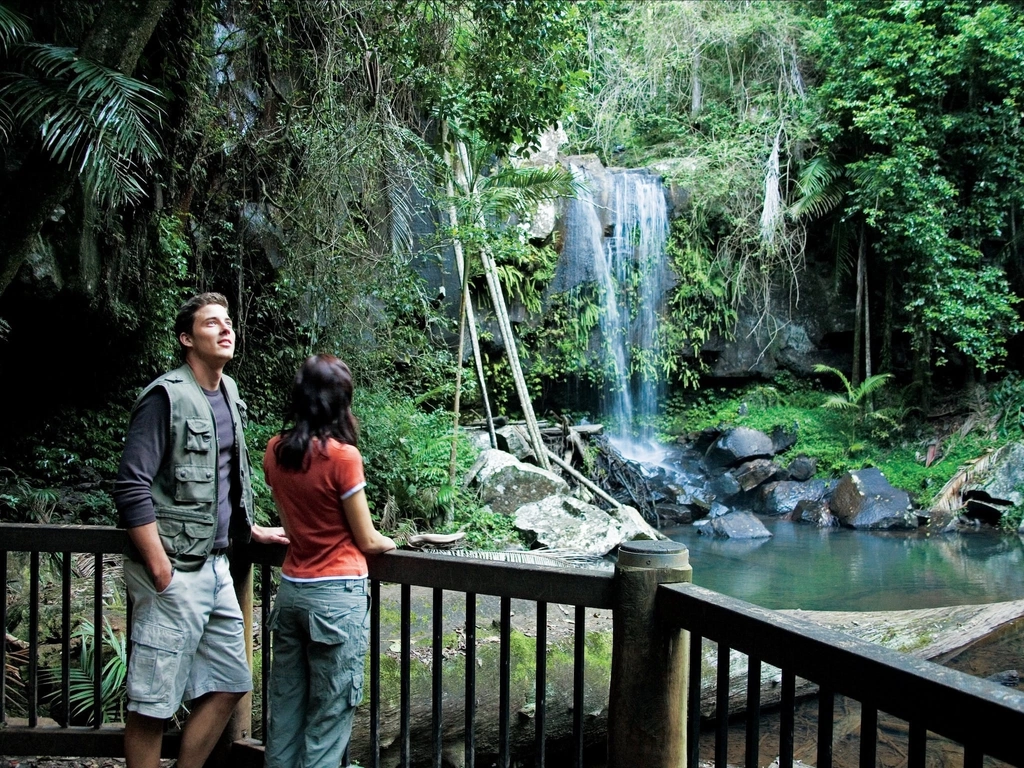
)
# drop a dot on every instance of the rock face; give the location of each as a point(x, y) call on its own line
point(736, 525)
point(505, 483)
point(864, 499)
point(562, 522)
point(1000, 487)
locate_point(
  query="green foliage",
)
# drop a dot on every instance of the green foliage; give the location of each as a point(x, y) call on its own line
point(406, 453)
point(113, 694)
point(855, 403)
point(515, 66)
point(1008, 397)
point(921, 100)
point(823, 432)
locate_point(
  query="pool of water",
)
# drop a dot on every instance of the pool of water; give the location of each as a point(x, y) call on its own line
point(802, 566)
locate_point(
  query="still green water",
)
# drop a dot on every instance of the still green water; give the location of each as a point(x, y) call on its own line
point(845, 570)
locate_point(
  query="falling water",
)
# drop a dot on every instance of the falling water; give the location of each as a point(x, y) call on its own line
point(626, 245)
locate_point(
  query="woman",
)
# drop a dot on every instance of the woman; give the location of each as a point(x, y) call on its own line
point(320, 617)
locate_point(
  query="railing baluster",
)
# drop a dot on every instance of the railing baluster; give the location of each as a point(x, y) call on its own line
point(504, 683)
point(436, 690)
point(97, 641)
point(826, 717)
point(722, 707)
point(973, 756)
point(578, 692)
point(470, 679)
point(374, 674)
point(917, 744)
point(868, 735)
point(405, 691)
point(33, 640)
point(787, 710)
point(3, 642)
point(753, 711)
point(266, 648)
point(693, 701)
point(541, 678)
point(65, 641)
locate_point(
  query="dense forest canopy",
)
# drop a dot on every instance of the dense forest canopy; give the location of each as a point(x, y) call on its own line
point(296, 155)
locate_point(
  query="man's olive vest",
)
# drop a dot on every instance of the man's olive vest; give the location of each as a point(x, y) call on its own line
point(185, 489)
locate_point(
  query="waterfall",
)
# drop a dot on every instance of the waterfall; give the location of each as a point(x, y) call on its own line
point(625, 242)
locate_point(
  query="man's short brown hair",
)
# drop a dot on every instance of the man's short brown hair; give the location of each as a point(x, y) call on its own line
point(186, 318)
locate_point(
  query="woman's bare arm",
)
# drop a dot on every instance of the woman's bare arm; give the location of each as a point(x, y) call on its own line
point(369, 540)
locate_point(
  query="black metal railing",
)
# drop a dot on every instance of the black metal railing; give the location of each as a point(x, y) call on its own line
point(472, 578)
point(985, 718)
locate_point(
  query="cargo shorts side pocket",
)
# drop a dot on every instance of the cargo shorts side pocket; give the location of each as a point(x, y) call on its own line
point(154, 664)
point(355, 694)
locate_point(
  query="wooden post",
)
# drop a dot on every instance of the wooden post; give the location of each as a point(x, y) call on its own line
point(650, 661)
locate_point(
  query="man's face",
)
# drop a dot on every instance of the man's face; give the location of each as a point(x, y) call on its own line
point(212, 340)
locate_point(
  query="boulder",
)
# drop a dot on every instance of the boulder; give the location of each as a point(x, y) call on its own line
point(784, 438)
point(816, 512)
point(736, 525)
point(513, 439)
point(565, 523)
point(737, 446)
point(718, 510)
point(674, 514)
point(505, 483)
point(802, 468)
point(864, 499)
point(753, 473)
point(781, 498)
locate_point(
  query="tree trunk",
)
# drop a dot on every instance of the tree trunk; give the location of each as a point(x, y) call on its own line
point(466, 303)
point(505, 327)
point(858, 314)
point(116, 39)
point(449, 515)
point(888, 320)
point(696, 97)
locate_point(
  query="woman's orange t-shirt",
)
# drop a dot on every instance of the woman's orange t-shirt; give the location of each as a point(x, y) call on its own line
point(310, 505)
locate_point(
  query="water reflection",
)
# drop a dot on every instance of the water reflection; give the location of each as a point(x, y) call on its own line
point(841, 569)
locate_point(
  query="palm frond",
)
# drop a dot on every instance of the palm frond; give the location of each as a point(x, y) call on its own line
point(822, 368)
point(821, 187)
point(839, 403)
point(871, 384)
point(13, 29)
point(93, 119)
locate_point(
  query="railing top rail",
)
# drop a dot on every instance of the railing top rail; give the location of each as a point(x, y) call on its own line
point(951, 703)
point(571, 586)
point(38, 537)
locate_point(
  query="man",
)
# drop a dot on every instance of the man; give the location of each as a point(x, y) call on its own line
point(183, 491)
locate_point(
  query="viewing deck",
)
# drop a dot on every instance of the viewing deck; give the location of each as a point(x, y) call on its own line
point(660, 624)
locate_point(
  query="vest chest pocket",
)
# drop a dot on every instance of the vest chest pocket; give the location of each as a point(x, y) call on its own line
point(185, 537)
point(198, 435)
point(195, 483)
